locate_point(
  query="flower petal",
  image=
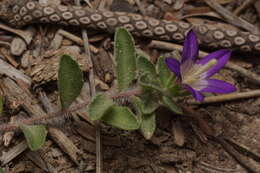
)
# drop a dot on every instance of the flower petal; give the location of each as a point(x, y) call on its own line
point(190, 47)
point(218, 86)
point(221, 56)
point(196, 94)
point(174, 65)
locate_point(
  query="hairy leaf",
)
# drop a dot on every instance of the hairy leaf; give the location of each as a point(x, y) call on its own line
point(148, 125)
point(148, 81)
point(121, 117)
point(125, 58)
point(35, 135)
point(98, 106)
point(70, 80)
point(146, 104)
point(145, 66)
point(165, 75)
point(171, 105)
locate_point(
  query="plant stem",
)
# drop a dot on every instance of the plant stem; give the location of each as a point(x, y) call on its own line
point(43, 118)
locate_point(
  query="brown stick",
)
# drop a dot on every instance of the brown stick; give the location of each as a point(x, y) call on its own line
point(227, 97)
point(243, 6)
point(231, 18)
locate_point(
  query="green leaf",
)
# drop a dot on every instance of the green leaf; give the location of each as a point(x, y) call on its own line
point(171, 105)
point(165, 75)
point(146, 104)
point(121, 117)
point(150, 101)
point(70, 80)
point(125, 58)
point(138, 107)
point(145, 66)
point(1, 104)
point(148, 125)
point(35, 135)
point(1, 170)
point(98, 106)
point(148, 81)
point(175, 91)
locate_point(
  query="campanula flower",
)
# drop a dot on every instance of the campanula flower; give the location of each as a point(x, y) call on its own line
point(195, 74)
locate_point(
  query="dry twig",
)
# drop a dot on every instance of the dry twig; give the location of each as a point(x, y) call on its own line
point(76, 39)
point(227, 97)
point(13, 73)
point(245, 5)
point(25, 35)
point(57, 135)
point(246, 162)
point(231, 18)
point(99, 164)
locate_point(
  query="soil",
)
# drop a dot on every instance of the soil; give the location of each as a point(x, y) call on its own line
point(234, 147)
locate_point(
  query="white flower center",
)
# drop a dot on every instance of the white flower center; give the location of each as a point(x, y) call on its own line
point(194, 73)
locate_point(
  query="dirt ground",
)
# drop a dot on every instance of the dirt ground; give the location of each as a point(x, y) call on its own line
point(181, 144)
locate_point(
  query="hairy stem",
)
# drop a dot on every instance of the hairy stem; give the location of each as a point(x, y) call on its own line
point(43, 118)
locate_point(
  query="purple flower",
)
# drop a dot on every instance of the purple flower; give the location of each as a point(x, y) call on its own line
point(195, 74)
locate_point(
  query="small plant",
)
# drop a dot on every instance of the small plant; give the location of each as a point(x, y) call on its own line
point(157, 84)
point(145, 85)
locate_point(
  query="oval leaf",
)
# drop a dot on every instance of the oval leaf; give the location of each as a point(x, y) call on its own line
point(147, 81)
point(145, 66)
point(121, 117)
point(148, 125)
point(145, 105)
point(125, 58)
point(98, 106)
point(70, 80)
point(150, 102)
point(171, 105)
point(1, 170)
point(35, 135)
point(165, 75)
point(138, 105)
